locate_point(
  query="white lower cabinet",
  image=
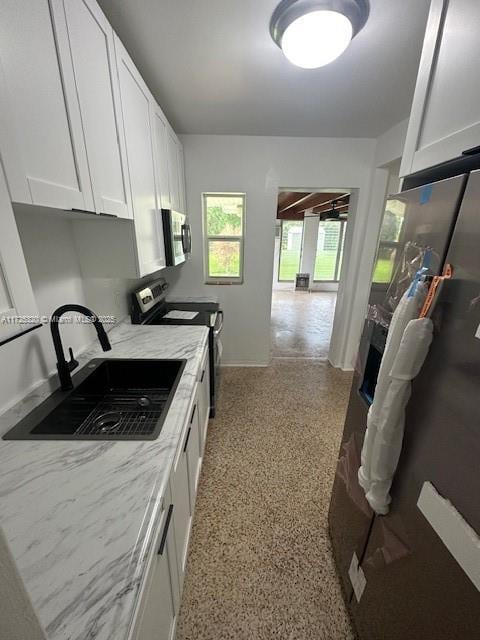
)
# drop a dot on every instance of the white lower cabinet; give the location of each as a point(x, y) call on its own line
point(157, 611)
point(157, 615)
point(203, 396)
point(181, 501)
point(193, 454)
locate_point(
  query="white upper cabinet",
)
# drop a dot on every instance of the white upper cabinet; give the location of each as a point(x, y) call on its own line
point(161, 158)
point(173, 176)
point(16, 295)
point(137, 118)
point(168, 153)
point(86, 35)
point(182, 204)
point(445, 118)
point(41, 138)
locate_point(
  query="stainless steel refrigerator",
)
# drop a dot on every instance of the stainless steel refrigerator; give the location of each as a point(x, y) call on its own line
point(413, 586)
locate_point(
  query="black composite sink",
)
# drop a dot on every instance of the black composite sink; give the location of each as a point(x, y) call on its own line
point(112, 399)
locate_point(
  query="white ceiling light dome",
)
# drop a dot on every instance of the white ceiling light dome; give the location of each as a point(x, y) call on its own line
point(313, 33)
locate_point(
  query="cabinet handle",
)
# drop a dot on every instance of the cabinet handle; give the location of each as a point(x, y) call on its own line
point(83, 211)
point(472, 151)
point(203, 375)
point(186, 439)
point(163, 541)
point(94, 213)
point(193, 413)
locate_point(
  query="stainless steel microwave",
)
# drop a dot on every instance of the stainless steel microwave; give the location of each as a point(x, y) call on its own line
point(177, 237)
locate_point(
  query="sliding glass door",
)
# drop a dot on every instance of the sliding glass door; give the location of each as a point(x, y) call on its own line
point(330, 244)
point(290, 250)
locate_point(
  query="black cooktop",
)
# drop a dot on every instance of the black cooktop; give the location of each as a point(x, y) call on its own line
point(203, 311)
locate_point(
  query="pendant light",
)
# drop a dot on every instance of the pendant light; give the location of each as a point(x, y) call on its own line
point(313, 33)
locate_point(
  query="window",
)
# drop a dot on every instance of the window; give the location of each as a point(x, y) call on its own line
point(330, 244)
point(388, 252)
point(224, 230)
point(290, 250)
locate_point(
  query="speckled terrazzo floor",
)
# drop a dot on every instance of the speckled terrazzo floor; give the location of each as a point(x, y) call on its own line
point(301, 323)
point(260, 564)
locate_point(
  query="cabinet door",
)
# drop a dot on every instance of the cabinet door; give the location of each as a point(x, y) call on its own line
point(16, 295)
point(182, 203)
point(193, 454)
point(181, 502)
point(161, 603)
point(42, 145)
point(203, 400)
point(161, 158)
point(172, 154)
point(445, 119)
point(89, 37)
point(136, 109)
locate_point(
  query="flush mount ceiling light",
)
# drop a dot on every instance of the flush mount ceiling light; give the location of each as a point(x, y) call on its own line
point(313, 33)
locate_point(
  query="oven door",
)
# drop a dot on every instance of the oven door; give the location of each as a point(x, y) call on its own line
point(177, 236)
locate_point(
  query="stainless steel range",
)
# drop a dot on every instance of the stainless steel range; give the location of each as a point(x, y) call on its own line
point(149, 306)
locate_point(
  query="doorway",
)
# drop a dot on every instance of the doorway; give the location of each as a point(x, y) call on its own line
point(309, 240)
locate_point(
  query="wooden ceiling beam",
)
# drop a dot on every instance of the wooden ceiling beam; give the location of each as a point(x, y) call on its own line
point(286, 215)
point(314, 200)
point(341, 201)
point(287, 199)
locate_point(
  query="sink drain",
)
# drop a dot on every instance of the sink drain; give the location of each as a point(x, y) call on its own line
point(108, 422)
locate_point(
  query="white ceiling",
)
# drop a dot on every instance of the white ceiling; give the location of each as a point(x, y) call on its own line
point(214, 69)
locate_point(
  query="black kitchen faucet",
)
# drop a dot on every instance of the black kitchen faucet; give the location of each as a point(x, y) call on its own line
point(65, 368)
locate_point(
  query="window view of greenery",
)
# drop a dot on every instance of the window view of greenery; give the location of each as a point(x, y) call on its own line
point(223, 258)
point(224, 228)
point(290, 249)
point(330, 242)
point(389, 241)
point(383, 271)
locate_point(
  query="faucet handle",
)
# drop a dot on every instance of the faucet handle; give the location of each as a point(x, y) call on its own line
point(72, 364)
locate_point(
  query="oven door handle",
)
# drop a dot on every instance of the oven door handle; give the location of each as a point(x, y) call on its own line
point(218, 331)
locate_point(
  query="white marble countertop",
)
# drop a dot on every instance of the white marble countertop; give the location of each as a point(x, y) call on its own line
point(79, 516)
